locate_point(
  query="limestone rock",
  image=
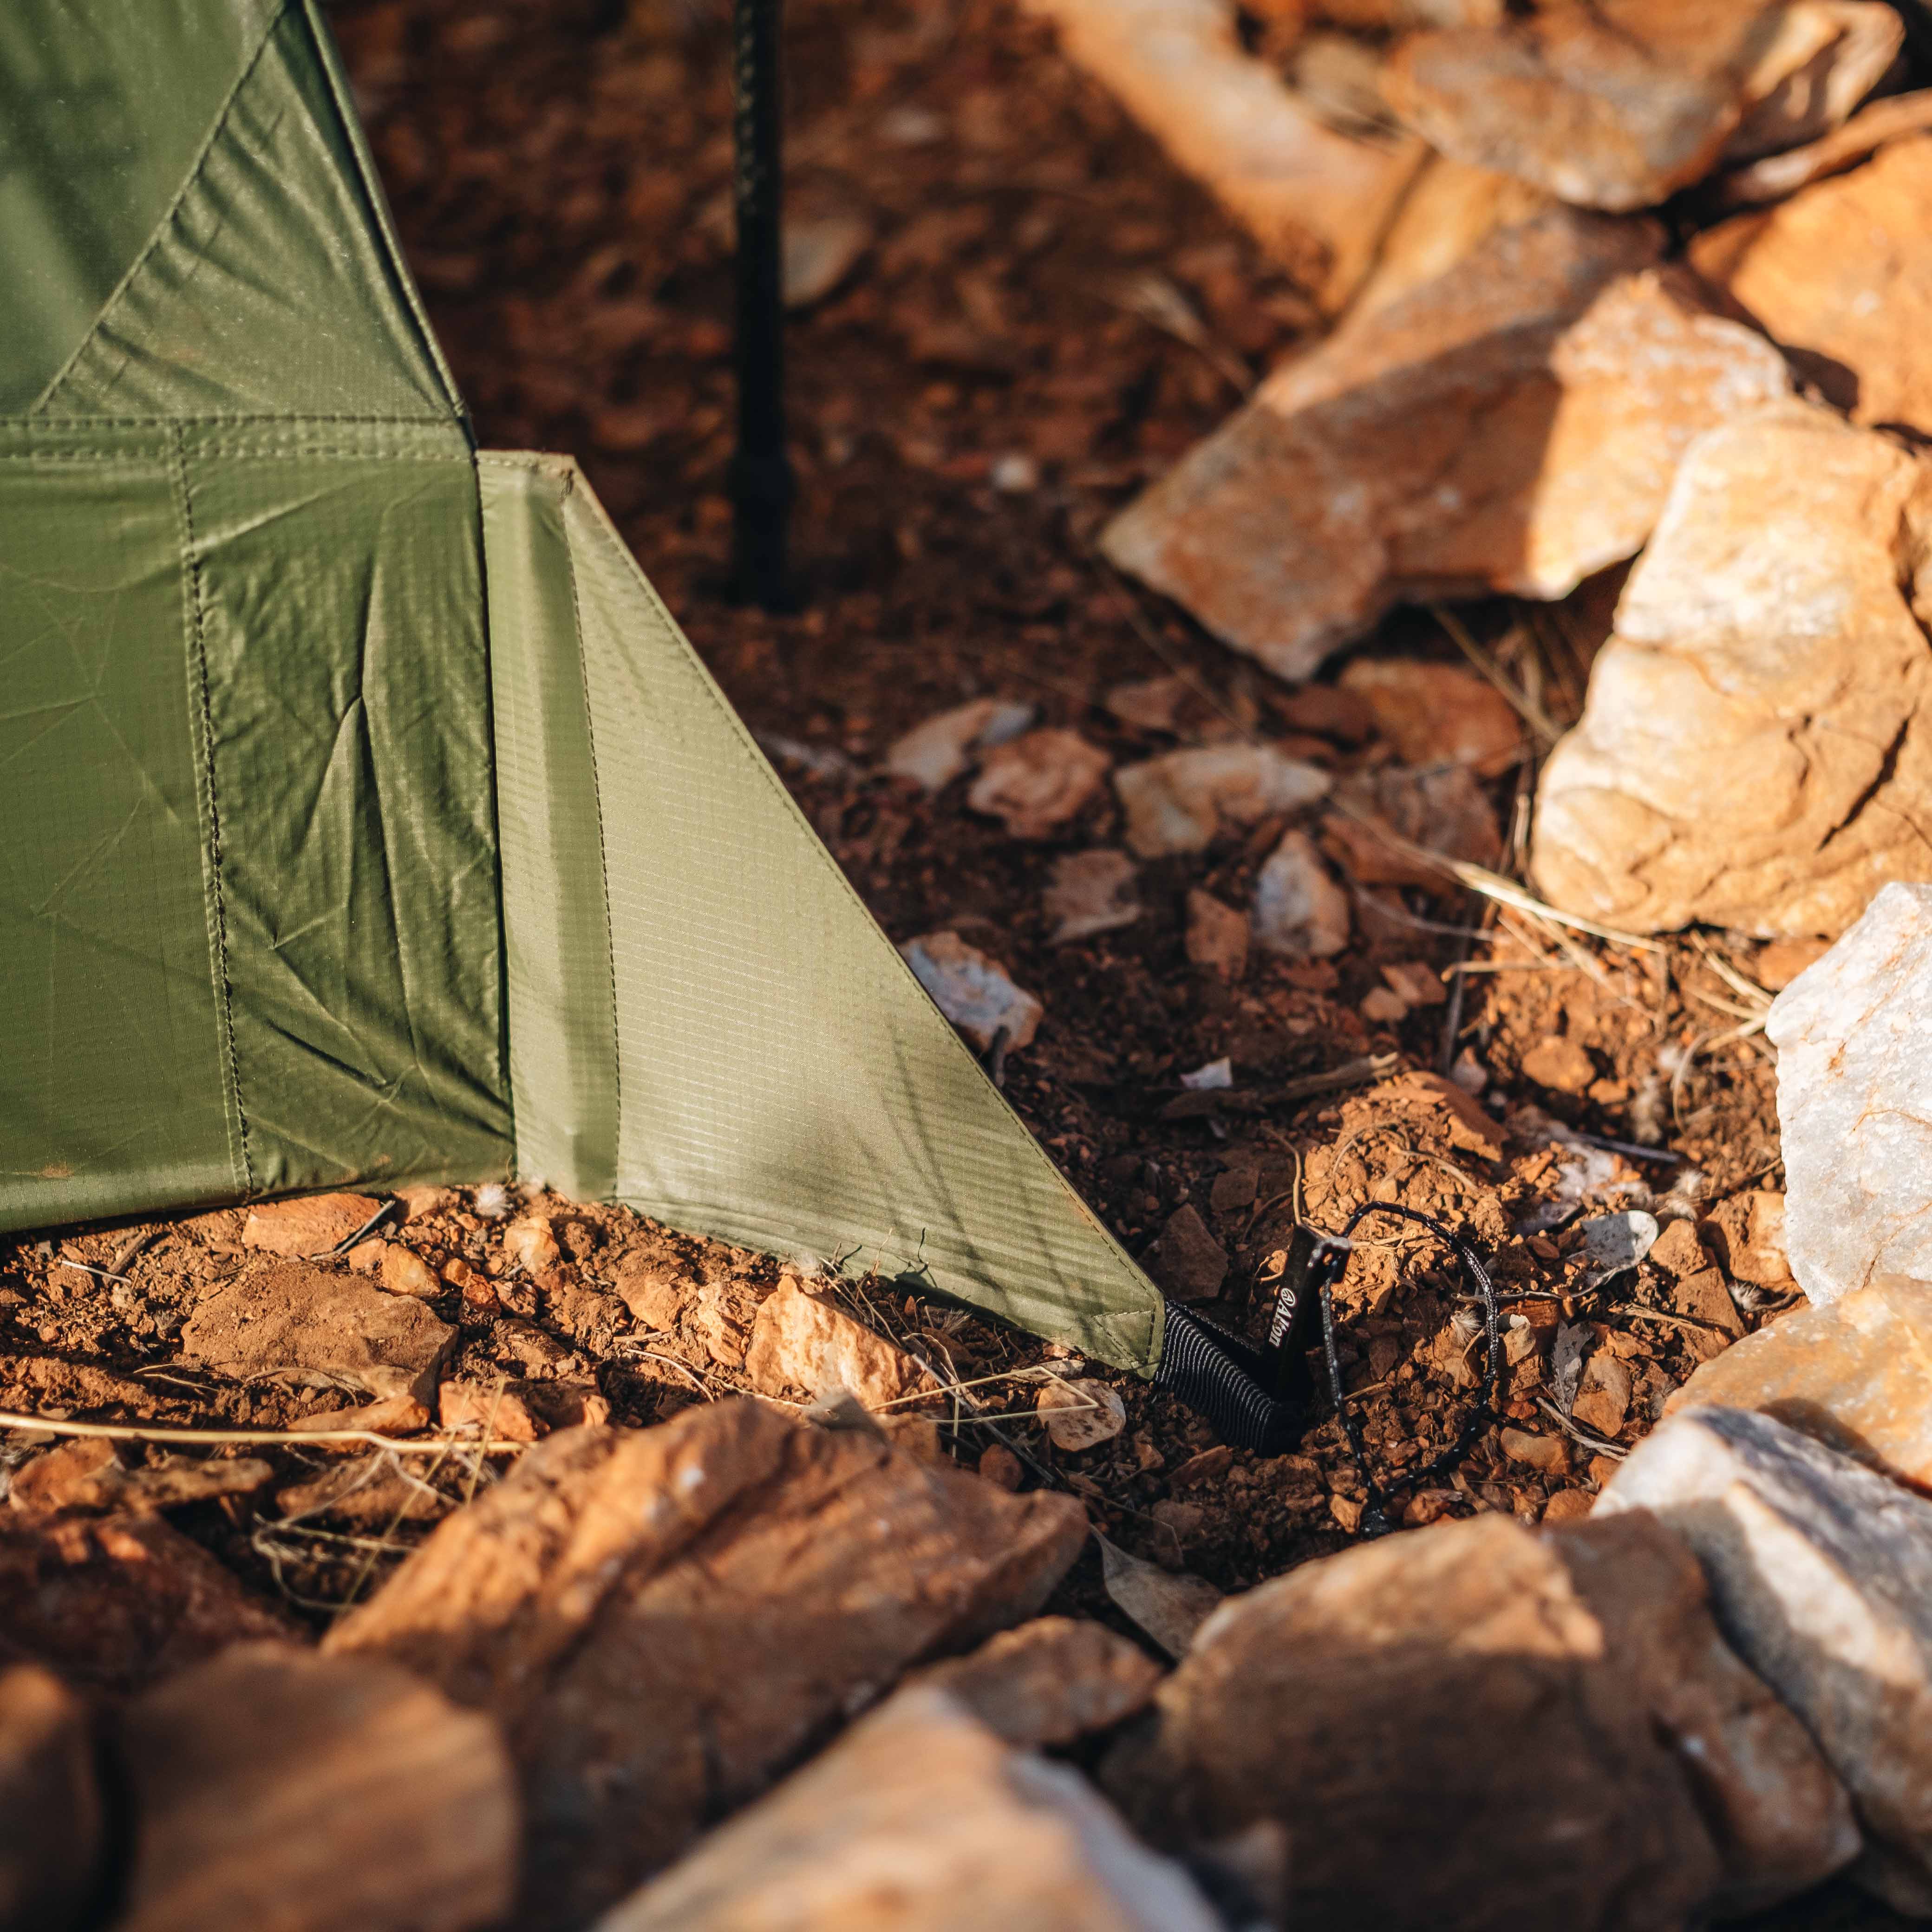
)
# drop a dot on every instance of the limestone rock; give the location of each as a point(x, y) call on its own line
point(1034, 784)
point(1821, 1574)
point(1181, 801)
point(290, 1315)
point(1639, 1771)
point(1315, 199)
point(1451, 208)
point(118, 1603)
point(1438, 713)
point(682, 1611)
point(1754, 750)
point(87, 1476)
point(1841, 274)
point(273, 1787)
point(51, 1847)
point(1512, 425)
point(1748, 1232)
point(1606, 103)
point(919, 1816)
point(1186, 1261)
point(1051, 1682)
point(1299, 910)
point(973, 990)
point(1778, 175)
point(804, 1341)
point(1854, 1040)
point(1080, 1415)
point(934, 753)
point(1825, 57)
point(311, 1225)
point(1091, 893)
point(1856, 1375)
point(404, 1273)
point(1217, 936)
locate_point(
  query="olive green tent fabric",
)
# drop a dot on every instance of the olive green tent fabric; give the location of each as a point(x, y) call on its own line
point(365, 817)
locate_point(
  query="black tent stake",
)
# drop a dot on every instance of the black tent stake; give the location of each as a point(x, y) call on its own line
point(761, 480)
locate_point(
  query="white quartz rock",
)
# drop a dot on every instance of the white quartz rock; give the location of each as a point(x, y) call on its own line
point(1854, 1038)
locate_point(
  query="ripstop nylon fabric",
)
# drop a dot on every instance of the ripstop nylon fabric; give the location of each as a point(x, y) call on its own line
point(366, 816)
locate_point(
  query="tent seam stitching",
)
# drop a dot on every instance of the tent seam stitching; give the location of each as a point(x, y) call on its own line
point(603, 858)
point(217, 897)
point(1148, 1351)
point(167, 221)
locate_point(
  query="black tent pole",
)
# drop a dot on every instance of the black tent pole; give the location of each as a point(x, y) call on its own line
point(761, 480)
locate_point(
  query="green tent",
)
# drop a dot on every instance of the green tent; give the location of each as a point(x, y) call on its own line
point(367, 817)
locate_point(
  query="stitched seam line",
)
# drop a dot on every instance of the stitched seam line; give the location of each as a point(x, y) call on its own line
point(216, 893)
point(167, 221)
point(603, 862)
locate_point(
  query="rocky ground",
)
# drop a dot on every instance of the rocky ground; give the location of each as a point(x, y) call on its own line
point(1238, 981)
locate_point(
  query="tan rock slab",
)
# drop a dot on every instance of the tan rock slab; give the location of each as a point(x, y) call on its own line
point(973, 991)
point(1451, 208)
point(1856, 1375)
point(1747, 1232)
point(920, 1817)
point(406, 1273)
point(290, 1315)
point(371, 1492)
point(682, 1611)
point(1299, 912)
point(1035, 784)
point(312, 1226)
point(395, 1415)
point(1842, 274)
point(1186, 1261)
point(52, 1845)
point(1778, 175)
point(1051, 1682)
point(934, 753)
point(1513, 425)
point(1217, 936)
point(1825, 57)
point(1605, 104)
point(1080, 1415)
point(1182, 801)
point(115, 1604)
point(1603, 1396)
point(1089, 893)
point(1438, 713)
point(1821, 1572)
point(88, 1477)
point(801, 1341)
point(1641, 1772)
point(1315, 199)
point(273, 1787)
point(1754, 750)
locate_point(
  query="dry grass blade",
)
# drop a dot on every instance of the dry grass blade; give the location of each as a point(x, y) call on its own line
point(1542, 726)
point(129, 1431)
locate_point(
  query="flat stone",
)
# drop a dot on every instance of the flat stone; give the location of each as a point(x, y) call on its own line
point(920, 1817)
point(311, 1225)
point(531, 1244)
point(1051, 1682)
point(1605, 104)
point(1438, 713)
point(1856, 1375)
point(1747, 1232)
point(1825, 57)
point(1299, 912)
point(1603, 1396)
point(1841, 275)
point(367, 1493)
point(656, 1297)
point(1645, 1774)
point(1080, 1415)
point(1379, 816)
point(1821, 1574)
point(290, 1315)
point(934, 753)
point(1182, 801)
point(1314, 199)
point(1777, 176)
point(682, 1611)
point(973, 990)
point(1753, 752)
point(52, 1840)
point(117, 1603)
point(1854, 1040)
point(1217, 936)
point(805, 1342)
point(405, 1272)
point(1451, 208)
point(1036, 783)
point(1089, 893)
point(88, 1477)
point(273, 1787)
point(1563, 1066)
point(1550, 1454)
point(819, 251)
point(1513, 425)
point(1186, 1261)
point(395, 1415)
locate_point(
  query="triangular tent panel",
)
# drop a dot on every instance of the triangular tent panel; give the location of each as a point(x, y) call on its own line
point(367, 818)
